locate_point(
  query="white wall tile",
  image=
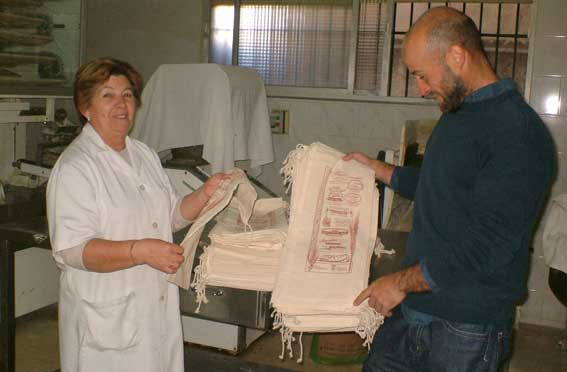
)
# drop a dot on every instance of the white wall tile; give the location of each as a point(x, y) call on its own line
point(563, 97)
point(551, 20)
point(550, 56)
point(346, 126)
point(545, 95)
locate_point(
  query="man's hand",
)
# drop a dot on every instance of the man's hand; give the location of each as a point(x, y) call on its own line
point(359, 157)
point(382, 171)
point(387, 292)
point(383, 295)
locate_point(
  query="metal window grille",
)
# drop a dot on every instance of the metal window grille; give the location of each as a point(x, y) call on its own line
point(503, 26)
point(314, 43)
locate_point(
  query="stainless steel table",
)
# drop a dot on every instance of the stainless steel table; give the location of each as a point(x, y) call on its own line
point(33, 232)
point(14, 236)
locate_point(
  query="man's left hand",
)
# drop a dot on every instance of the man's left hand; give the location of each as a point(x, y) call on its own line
point(383, 295)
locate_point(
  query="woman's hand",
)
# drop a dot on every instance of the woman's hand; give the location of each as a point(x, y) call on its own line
point(159, 254)
point(193, 203)
point(213, 183)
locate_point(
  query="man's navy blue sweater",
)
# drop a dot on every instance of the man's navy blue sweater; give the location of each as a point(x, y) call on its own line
point(484, 178)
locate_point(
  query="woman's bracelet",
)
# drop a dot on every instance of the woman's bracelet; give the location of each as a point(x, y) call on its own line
point(131, 249)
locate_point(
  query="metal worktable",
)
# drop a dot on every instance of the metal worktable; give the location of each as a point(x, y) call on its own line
point(33, 232)
point(14, 236)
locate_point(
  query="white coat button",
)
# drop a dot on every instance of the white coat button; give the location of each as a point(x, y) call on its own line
point(161, 298)
point(155, 225)
point(142, 187)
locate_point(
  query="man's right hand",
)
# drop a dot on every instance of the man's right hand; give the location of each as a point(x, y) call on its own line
point(359, 157)
point(382, 171)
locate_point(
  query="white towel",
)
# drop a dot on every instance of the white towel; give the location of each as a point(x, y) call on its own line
point(555, 234)
point(224, 109)
point(326, 259)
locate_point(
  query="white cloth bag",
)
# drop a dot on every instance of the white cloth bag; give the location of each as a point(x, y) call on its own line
point(326, 259)
point(241, 256)
point(237, 184)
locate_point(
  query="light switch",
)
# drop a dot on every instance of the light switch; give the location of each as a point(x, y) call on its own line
point(279, 121)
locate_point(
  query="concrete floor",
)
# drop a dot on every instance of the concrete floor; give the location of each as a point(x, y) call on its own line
point(535, 350)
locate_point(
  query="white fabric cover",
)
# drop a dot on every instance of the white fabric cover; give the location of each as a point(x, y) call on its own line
point(240, 256)
point(237, 184)
point(555, 234)
point(223, 108)
point(326, 260)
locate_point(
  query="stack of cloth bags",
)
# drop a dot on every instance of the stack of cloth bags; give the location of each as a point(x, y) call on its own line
point(243, 255)
point(331, 237)
point(235, 187)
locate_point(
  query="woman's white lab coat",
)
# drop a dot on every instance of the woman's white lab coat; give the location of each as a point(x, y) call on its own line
point(127, 320)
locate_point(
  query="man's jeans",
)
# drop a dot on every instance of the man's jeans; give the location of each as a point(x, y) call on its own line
point(436, 345)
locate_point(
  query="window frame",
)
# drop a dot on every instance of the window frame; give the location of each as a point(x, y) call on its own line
point(349, 93)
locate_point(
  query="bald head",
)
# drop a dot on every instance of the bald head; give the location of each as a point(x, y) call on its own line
point(441, 27)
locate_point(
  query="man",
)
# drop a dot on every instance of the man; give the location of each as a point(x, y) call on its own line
point(485, 174)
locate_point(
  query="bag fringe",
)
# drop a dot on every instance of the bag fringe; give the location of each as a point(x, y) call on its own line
point(370, 321)
point(379, 249)
point(289, 164)
point(198, 283)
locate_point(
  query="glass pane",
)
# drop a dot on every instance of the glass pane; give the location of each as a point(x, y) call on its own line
point(521, 67)
point(296, 45)
point(39, 43)
point(370, 46)
point(490, 47)
point(418, 10)
point(473, 11)
point(402, 16)
point(398, 77)
point(505, 57)
point(456, 5)
point(222, 26)
point(508, 19)
point(525, 19)
point(489, 18)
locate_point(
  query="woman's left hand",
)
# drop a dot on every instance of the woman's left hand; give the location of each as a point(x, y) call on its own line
point(213, 183)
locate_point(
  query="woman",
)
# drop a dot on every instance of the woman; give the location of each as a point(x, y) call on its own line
point(112, 211)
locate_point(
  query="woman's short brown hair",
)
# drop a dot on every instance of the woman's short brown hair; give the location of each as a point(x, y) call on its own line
point(95, 73)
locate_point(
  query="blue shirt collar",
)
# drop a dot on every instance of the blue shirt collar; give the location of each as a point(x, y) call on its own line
point(491, 90)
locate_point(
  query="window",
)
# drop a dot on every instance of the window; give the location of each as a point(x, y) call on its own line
point(353, 45)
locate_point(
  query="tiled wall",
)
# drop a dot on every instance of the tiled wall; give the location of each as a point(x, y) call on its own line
point(548, 96)
point(346, 126)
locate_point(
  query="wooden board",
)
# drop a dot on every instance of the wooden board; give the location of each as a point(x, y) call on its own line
point(20, 20)
point(10, 38)
point(21, 3)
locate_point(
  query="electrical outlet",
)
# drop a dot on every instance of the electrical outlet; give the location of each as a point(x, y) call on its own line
point(279, 121)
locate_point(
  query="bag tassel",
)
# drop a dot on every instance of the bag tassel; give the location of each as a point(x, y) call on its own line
point(198, 283)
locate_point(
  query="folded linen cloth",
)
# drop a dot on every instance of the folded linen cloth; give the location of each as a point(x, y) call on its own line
point(245, 256)
point(237, 184)
point(331, 237)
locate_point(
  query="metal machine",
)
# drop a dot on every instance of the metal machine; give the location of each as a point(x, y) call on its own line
point(233, 318)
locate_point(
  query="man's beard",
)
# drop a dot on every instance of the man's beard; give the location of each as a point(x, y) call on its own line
point(455, 91)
